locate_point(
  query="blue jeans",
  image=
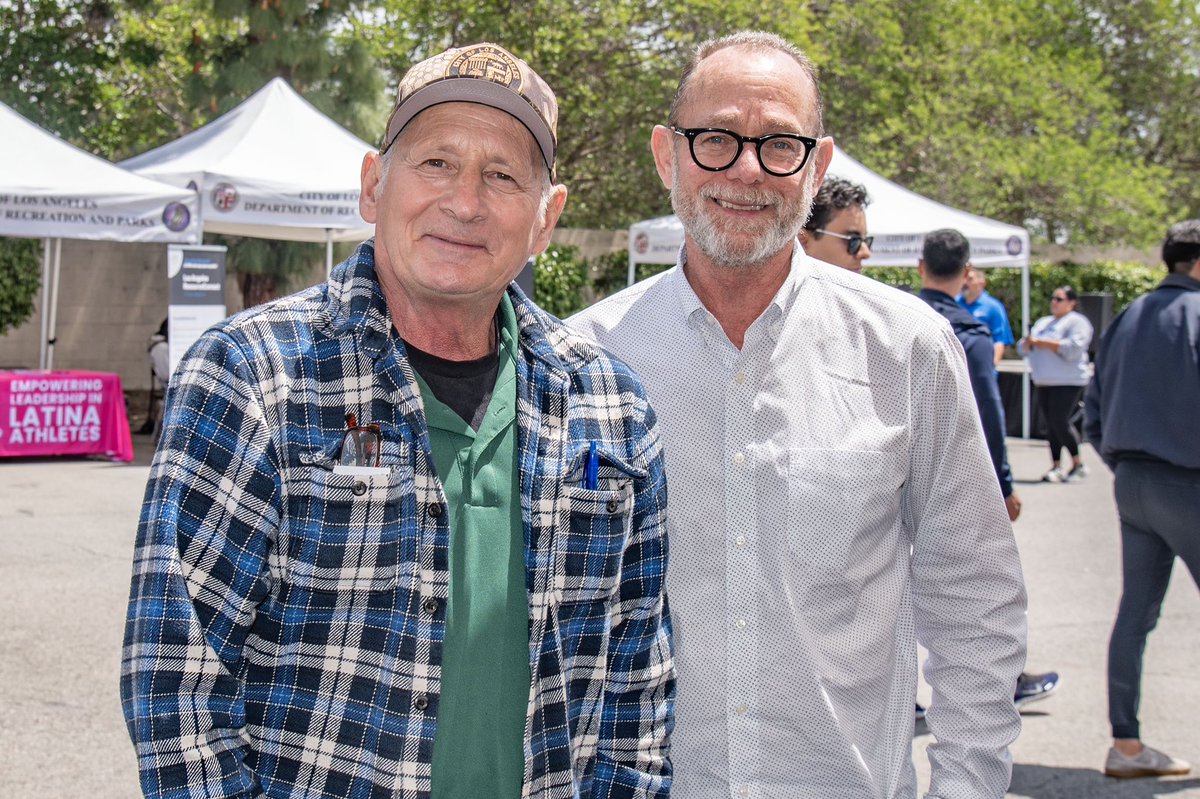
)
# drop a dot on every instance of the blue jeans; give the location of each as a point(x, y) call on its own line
point(1159, 506)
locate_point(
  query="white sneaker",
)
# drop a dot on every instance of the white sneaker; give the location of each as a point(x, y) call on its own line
point(1077, 473)
point(1055, 475)
point(1146, 763)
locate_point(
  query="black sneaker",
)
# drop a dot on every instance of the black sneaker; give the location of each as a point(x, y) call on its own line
point(1034, 687)
point(920, 712)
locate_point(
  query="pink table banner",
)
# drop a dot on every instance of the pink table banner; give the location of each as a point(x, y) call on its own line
point(63, 413)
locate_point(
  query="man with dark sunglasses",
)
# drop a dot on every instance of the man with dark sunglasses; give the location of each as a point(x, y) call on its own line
point(404, 535)
point(836, 230)
point(824, 454)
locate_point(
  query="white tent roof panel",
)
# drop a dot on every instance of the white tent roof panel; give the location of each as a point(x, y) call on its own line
point(52, 189)
point(274, 167)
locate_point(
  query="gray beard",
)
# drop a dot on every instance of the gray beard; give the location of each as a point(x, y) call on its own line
point(727, 252)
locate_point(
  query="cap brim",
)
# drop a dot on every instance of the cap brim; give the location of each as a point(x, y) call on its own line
point(475, 90)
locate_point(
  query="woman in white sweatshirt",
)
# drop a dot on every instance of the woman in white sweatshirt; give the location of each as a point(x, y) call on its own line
point(1057, 350)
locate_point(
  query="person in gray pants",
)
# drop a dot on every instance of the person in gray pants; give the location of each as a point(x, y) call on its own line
point(1140, 416)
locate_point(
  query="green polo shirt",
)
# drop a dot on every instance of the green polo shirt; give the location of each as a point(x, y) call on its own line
point(479, 747)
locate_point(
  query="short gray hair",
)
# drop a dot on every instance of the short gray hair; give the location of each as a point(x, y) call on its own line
point(757, 41)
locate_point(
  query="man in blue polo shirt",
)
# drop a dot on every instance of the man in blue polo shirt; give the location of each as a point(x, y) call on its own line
point(986, 309)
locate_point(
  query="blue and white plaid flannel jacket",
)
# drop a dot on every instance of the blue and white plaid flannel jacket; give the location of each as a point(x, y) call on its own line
point(286, 623)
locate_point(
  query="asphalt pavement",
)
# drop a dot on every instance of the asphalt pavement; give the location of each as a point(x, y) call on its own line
point(66, 542)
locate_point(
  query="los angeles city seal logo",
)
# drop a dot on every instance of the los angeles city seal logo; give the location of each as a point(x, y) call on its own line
point(489, 63)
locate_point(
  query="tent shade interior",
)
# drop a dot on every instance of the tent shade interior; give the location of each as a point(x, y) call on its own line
point(897, 217)
point(274, 167)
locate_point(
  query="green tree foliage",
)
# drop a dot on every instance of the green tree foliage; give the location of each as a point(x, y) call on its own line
point(613, 66)
point(611, 274)
point(232, 52)
point(1005, 110)
point(306, 43)
point(107, 76)
point(164, 54)
point(55, 59)
point(57, 65)
point(1150, 51)
point(20, 278)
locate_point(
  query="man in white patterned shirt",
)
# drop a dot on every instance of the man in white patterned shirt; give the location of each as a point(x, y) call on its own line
point(826, 464)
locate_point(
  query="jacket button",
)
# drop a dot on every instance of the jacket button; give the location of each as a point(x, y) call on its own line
point(430, 605)
point(612, 506)
point(435, 511)
point(359, 488)
point(421, 702)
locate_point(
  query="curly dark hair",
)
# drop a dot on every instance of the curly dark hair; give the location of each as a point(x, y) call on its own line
point(834, 195)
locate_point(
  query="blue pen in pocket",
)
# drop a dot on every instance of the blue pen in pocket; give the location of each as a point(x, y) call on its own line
point(591, 468)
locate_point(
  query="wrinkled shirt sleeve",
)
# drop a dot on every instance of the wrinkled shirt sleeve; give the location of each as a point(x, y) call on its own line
point(969, 593)
point(200, 570)
point(635, 725)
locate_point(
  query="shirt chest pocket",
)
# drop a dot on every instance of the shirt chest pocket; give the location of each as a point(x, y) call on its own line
point(594, 529)
point(345, 532)
point(843, 508)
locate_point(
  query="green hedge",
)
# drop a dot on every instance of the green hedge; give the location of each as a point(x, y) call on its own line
point(1125, 281)
point(564, 282)
point(20, 278)
point(559, 275)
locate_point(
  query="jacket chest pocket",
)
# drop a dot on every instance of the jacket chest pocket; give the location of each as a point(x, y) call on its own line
point(344, 533)
point(594, 528)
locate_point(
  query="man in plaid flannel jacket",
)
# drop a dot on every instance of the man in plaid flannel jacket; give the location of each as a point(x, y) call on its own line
point(292, 609)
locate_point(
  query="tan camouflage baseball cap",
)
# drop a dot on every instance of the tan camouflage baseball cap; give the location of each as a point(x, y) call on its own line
point(483, 73)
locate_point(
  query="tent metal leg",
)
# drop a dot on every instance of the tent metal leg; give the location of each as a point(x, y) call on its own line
point(1025, 421)
point(52, 336)
point(328, 252)
point(45, 303)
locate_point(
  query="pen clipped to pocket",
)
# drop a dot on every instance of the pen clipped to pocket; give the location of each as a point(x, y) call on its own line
point(597, 468)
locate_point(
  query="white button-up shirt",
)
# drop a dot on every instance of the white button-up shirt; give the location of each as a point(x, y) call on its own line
point(831, 503)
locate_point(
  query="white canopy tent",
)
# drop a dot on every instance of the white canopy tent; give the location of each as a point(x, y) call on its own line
point(896, 217)
point(274, 167)
point(52, 190)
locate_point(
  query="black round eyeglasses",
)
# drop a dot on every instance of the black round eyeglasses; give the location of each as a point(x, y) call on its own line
point(717, 149)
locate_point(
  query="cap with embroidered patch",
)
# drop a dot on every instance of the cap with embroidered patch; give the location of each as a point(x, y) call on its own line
point(482, 73)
